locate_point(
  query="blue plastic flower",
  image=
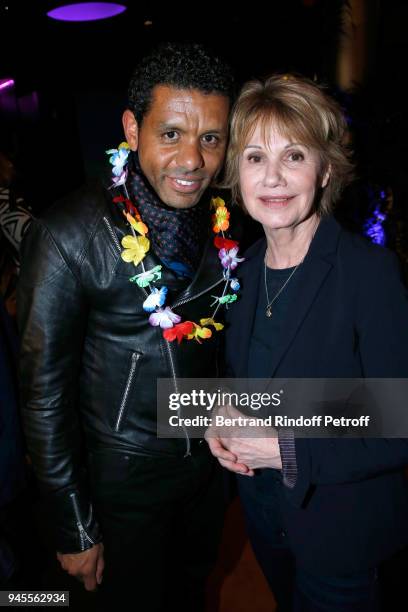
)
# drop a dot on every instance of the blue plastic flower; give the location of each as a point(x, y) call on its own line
point(155, 300)
point(118, 160)
point(234, 284)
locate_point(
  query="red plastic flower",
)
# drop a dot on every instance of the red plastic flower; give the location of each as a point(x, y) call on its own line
point(224, 243)
point(178, 331)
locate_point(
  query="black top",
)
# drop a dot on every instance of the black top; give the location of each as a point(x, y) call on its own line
point(265, 329)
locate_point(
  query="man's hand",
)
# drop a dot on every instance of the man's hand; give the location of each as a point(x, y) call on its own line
point(87, 566)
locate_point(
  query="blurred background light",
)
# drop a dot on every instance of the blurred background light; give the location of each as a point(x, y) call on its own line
point(86, 11)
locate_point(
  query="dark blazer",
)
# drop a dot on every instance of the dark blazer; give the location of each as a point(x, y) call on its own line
point(349, 507)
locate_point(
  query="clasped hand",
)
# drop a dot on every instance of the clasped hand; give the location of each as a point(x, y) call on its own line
point(239, 453)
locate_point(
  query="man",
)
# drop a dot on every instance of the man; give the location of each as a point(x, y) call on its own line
point(141, 511)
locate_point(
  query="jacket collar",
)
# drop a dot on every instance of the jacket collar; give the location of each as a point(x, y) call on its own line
point(208, 274)
point(313, 273)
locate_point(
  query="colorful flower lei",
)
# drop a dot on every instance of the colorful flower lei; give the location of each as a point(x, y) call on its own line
point(137, 245)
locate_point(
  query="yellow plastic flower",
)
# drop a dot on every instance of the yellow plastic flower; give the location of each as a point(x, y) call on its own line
point(209, 321)
point(200, 332)
point(123, 145)
point(135, 247)
point(221, 223)
point(217, 202)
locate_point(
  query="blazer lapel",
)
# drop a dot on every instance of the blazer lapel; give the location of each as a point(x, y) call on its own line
point(312, 274)
point(243, 312)
point(310, 279)
point(317, 265)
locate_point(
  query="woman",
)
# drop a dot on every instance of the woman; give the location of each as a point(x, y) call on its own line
point(317, 302)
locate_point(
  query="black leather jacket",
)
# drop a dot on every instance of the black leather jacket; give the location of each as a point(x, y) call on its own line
point(89, 357)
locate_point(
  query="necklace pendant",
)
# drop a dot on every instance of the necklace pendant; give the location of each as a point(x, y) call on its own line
point(268, 312)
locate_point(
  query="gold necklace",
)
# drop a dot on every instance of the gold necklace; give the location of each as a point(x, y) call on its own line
point(268, 310)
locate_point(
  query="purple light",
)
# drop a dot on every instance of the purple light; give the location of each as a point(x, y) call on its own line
point(373, 228)
point(86, 11)
point(5, 83)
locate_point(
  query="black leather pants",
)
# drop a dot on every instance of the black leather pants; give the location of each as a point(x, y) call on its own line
point(161, 520)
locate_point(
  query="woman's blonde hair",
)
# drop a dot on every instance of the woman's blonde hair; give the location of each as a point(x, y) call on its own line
point(301, 110)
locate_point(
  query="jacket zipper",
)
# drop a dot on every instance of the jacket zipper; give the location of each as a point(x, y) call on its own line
point(194, 297)
point(173, 371)
point(116, 241)
point(82, 531)
point(112, 233)
point(180, 303)
point(135, 359)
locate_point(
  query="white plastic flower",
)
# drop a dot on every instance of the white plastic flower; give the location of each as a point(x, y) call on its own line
point(165, 318)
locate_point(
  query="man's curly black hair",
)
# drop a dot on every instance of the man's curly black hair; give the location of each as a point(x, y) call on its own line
point(179, 65)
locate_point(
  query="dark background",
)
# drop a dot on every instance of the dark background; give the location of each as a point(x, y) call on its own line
point(71, 80)
point(70, 90)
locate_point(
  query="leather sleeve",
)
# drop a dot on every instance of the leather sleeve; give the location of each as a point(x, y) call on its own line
point(52, 314)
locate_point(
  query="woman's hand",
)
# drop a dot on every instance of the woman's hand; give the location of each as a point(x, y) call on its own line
point(226, 458)
point(239, 453)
